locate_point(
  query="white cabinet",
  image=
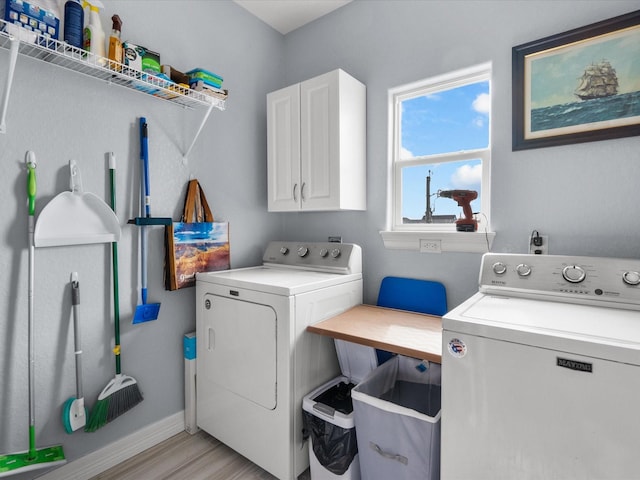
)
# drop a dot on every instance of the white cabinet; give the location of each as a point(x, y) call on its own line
point(316, 145)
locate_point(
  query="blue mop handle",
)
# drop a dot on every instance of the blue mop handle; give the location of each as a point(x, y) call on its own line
point(144, 157)
point(145, 207)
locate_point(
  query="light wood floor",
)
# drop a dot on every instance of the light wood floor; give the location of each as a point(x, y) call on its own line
point(189, 457)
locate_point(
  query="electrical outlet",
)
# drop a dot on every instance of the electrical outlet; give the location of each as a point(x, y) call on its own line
point(430, 246)
point(542, 248)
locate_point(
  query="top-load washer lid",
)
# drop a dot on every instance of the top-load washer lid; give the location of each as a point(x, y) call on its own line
point(581, 329)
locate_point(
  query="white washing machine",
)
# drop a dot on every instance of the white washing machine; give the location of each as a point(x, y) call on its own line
point(255, 359)
point(541, 371)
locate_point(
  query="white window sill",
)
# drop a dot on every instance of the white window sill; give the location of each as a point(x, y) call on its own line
point(471, 242)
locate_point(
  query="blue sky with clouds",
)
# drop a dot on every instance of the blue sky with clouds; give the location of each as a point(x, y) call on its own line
point(452, 120)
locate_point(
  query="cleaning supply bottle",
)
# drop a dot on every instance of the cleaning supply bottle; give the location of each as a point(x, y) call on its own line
point(115, 44)
point(60, 20)
point(73, 14)
point(94, 41)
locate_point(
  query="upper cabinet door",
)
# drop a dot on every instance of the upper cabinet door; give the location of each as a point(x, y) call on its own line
point(283, 149)
point(319, 143)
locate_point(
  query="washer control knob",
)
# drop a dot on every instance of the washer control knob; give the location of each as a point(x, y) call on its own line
point(574, 273)
point(302, 251)
point(335, 253)
point(284, 250)
point(523, 270)
point(631, 278)
point(324, 252)
point(499, 268)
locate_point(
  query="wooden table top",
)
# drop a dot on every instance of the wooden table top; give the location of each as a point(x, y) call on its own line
point(399, 331)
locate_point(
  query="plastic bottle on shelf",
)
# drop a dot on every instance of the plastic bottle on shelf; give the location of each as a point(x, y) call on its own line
point(60, 19)
point(73, 14)
point(94, 40)
point(115, 44)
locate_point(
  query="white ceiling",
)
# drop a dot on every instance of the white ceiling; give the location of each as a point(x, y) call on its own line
point(287, 15)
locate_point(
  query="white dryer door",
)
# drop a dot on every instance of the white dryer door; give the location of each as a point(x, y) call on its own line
point(240, 348)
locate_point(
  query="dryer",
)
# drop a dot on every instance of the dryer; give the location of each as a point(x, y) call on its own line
point(256, 361)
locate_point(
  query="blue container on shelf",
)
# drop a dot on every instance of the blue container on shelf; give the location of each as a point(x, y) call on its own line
point(207, 77)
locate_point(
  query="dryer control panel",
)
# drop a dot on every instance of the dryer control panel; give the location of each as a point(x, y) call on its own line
point(345, 258)
point(608, 282)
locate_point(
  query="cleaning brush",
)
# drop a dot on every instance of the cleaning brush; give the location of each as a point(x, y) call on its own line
point(121, 394)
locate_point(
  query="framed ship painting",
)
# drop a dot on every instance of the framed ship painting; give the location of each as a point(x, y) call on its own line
point(578, 86)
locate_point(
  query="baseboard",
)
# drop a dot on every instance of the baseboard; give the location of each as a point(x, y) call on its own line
point(117, 452)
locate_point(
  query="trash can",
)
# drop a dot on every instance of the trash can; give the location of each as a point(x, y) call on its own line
point(397, 420)
point(328, 417)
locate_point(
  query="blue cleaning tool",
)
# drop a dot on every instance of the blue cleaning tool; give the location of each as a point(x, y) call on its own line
point(147, 311)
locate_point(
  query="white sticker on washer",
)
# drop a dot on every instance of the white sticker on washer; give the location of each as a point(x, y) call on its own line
point(457, 348)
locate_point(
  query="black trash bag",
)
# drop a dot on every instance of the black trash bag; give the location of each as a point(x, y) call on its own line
point(334, 446)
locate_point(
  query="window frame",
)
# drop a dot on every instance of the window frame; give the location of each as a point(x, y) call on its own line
point(408, 236)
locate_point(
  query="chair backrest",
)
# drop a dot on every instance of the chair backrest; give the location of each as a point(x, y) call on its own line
point(415, 295)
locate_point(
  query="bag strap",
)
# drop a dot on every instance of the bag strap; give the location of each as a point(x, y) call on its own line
point(196, 208)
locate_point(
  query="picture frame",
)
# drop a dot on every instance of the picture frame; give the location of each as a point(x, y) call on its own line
point(582, 85)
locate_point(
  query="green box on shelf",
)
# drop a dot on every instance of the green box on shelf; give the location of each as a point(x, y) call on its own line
point(208, 77)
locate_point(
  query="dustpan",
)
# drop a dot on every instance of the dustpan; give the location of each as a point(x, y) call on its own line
point(76, 217)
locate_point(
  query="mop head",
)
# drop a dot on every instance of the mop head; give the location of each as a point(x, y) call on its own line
point(31, 460)
point(119, 396)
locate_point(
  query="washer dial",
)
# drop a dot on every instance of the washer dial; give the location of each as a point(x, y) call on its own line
point(574, 273)
point(631, 278)
point(523, 270)
point(499, 268)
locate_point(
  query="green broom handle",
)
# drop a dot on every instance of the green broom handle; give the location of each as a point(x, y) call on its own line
point(31, 188)
point(31, 196)
point(114, 260)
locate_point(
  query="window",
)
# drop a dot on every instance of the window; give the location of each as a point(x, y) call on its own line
point(440, 158)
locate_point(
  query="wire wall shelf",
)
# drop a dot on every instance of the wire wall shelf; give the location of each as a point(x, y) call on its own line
point(71, 58)
point(61, 54)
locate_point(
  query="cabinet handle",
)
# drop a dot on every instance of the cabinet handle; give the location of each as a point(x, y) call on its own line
point(302, 191)
point(295, 188)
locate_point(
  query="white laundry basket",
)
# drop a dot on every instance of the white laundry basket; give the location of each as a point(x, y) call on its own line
point(397, 419)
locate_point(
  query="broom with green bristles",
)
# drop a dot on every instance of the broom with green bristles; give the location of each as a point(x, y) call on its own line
point(121, 394)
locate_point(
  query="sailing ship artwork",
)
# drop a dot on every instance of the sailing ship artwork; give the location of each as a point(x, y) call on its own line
point(578, 86)
point(598, 96)
point(599, 80)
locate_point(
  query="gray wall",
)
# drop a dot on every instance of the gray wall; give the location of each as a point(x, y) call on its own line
point(579, 195)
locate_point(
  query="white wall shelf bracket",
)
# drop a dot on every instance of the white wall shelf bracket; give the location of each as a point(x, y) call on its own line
point(202, 123)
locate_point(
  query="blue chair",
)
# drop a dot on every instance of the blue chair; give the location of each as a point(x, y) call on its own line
point(414, 295)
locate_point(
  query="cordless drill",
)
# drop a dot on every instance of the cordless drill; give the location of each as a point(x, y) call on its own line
point(464, 199)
